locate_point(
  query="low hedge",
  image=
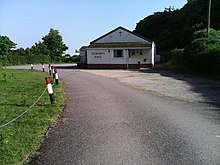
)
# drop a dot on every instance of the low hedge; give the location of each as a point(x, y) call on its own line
point(206, 62)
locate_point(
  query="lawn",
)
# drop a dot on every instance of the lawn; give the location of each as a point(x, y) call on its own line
point(19, 89)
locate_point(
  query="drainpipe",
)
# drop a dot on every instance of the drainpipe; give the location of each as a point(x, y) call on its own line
point(127, 58)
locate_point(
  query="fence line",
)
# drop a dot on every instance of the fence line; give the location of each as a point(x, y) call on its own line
point(4, 125)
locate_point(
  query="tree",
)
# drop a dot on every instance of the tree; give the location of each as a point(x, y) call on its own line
point(201, 42)
point(215, 15)
point(202, 55)
point(53, 42)
point(75, 59)
point(174, 28)
point(5, 47)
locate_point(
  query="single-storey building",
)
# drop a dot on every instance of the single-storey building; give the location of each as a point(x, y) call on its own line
point(118, 49)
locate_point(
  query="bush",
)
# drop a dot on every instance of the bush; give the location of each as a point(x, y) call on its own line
point(202, 42)
point(207, 62)
point(75, 59)
point(202, 55)
point(69, 59)
point(17, 59)
point(177, 56)
point(39, 59)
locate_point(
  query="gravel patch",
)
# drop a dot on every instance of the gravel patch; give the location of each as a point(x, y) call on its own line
point(167, 84)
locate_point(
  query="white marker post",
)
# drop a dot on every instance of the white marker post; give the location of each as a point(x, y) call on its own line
point(56, 77)
point(43, 67)
point(49, 69)
point(32, 66)
point(53, 72)
point(50, 90)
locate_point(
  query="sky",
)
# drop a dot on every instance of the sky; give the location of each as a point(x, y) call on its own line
point(79, 22)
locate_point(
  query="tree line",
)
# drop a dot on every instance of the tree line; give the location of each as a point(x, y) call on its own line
point(49, 50)
point(174, 28)
point(182, 36)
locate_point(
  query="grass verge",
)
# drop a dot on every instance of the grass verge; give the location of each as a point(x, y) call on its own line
point(19, 90)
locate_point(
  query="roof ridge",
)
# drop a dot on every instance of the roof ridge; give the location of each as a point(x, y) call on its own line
point(120, 27)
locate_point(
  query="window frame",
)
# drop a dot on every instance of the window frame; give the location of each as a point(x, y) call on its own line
point(117, 54)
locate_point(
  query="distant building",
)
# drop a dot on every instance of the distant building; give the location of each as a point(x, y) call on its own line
point(118, 49)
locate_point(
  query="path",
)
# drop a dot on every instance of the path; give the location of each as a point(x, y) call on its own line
point(107, 122)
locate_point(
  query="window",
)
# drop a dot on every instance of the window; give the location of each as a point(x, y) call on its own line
point(118, 53)
point(132, 51)
point(141, 52)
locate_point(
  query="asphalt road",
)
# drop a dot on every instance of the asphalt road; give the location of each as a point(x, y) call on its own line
point(107, 122)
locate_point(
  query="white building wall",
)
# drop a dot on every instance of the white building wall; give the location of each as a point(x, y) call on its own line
point(150, 57)
point(97, 56)
point(118, 60)
point(144, 58)
point(106, 56)
point(82, 56)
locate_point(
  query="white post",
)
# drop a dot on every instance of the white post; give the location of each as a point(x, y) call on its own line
point(127, 58)
point(43, 67)
point(50, 90)
point(32, 66)
point(153, 54)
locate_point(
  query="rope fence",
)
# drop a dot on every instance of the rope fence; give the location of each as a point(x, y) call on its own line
point(27, 110)
point(4, 125)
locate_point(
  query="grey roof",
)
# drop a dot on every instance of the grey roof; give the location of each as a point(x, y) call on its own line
point(124, 30)
point(119, 45)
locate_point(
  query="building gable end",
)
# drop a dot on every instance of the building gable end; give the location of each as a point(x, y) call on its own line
point(120, 35)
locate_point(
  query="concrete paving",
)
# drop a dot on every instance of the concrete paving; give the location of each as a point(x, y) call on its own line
point(107, 122)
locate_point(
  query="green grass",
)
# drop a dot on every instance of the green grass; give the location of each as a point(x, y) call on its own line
point(19, 89)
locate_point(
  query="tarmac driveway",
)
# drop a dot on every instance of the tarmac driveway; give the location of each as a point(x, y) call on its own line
point(108, 122)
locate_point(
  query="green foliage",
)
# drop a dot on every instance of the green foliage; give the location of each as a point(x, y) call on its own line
point(207, 62)
point(53, 42)
point(50, 49)
point(68, 59)
point(5, 47)
point(75, 59)
point(177, 56)
point(203, 42)
point(202, 55)
point(4, 77)
point(20, 90)
point(174, 28)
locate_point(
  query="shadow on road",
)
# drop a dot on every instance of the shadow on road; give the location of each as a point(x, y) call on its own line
point(209, 89)
point(66, 66)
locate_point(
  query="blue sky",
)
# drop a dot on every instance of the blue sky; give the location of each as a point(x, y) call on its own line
point(79, 21)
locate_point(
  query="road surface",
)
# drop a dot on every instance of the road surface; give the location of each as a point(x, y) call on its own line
point(107, 122)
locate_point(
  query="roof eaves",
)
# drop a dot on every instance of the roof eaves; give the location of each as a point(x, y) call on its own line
point(120, 27)
point(105, 35)
point(118, 45)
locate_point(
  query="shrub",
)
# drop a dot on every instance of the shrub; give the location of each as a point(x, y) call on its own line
point(202, 55)
point(207, 62)
point(75, 59)
point(177, 56)
point(69, 59)
point(202, 42)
